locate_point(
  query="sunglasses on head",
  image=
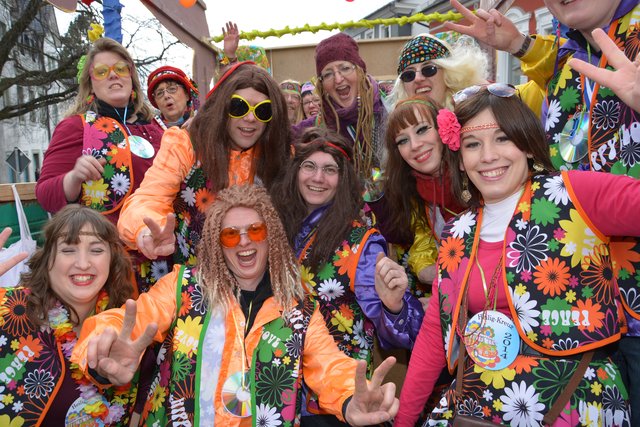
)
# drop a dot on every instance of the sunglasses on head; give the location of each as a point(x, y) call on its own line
point(408, 76)
point(240, 107)
point(230, 236)
point(498, 89)
point(102, 71)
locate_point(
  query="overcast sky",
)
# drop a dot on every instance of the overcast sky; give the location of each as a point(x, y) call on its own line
point(265, 15)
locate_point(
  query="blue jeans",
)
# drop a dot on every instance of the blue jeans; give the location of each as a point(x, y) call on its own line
point(628, 360)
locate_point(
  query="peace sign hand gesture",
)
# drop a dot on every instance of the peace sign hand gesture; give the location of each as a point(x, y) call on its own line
point(624, 81)
point(489, 27)
point(116, 356)
point(155, 240)
point(372, 403)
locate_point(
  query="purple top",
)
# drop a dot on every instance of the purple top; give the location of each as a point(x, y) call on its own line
point(393, 330)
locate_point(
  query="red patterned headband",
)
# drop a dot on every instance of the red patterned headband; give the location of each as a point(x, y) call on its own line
point(344, 153)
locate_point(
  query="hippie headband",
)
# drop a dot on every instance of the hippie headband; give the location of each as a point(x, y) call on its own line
point(226, 75)
point(290, 86)
point(332, 145)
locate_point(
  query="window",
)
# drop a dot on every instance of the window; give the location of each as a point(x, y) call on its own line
point(384, 31)
point(368, 34)
point(508, 66)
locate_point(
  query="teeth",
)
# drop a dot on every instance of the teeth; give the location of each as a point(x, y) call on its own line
point(423, 156)
point(493, 173)
point(247, 253)
point(315, 188)
point(246, 129)
point(423, 89)
point(83, 278)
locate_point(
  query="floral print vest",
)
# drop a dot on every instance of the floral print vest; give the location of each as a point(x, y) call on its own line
point(187, 386)
point(33, 368)
point(104, 137)
point(614, 131)
point(557, 270)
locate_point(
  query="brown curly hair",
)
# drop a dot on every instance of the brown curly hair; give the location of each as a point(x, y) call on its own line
point(219, 284)
point(347, 202)
point(210, 137)
point(65, 227)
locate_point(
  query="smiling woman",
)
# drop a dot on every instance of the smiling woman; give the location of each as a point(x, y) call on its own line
point(100, 152)
point(81, 269)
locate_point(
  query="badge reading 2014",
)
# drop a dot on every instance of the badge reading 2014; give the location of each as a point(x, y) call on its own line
point(492, 340)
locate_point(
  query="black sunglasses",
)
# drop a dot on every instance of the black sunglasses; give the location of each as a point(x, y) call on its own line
point(427, 71)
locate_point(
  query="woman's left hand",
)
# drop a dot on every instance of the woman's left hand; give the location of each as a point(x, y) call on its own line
point(372, 403)
point(624, 81)
point(391, 283)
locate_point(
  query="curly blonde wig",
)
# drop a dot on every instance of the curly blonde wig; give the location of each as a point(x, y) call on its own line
point(219, 284)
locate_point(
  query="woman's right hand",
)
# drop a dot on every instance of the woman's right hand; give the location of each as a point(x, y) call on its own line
point(116, 356)
point(489, 27)
point(87, 168)
point(231, 39)
point(154, 240)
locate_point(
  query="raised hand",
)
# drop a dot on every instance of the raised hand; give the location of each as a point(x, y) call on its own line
point(114, 355)
point(11, 262)
point(391, 282)
point(624, 81)
point(372, 403)
point(87, 168)
point(489, 27)
point(154, 240)
point(231, 39)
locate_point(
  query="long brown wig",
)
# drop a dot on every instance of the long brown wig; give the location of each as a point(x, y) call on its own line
point(516, 120)
point(219, 284)
point(347, 202)
point(211, 140)
point(400, 187)
point(85, 89)
point(65, 227)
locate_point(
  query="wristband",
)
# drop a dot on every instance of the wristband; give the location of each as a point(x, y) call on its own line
point(524, 48)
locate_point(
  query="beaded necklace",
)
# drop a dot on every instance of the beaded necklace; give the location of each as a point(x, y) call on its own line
point(96, 406)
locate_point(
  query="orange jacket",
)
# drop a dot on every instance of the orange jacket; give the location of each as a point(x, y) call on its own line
point(161, 184)
point(327, 371)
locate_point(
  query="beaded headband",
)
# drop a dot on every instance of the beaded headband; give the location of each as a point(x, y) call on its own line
point(492, 125)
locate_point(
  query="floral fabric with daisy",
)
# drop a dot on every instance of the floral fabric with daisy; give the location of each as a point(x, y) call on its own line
point(34, 365)
point(563, 299)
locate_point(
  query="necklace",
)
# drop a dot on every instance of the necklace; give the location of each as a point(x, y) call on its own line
point(138, 145)
point(94, 404)
point(236, 390)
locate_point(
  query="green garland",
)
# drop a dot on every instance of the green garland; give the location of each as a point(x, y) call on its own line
point(368, 23)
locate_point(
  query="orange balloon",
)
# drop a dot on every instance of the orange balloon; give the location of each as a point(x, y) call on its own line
point(187, 3)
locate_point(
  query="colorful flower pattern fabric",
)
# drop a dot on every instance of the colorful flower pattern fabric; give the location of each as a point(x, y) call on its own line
point(562, 296)
point(186, 389)
point(103, 137)
point(33, 368)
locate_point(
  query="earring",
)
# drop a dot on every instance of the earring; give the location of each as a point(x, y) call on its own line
point(538, 166)
point(133, 95)
point(89, 100)
point(466, 194)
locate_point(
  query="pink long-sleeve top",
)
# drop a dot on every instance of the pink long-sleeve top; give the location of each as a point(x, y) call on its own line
point(610, 201)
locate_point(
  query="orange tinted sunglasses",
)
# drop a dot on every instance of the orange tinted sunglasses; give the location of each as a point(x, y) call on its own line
point(230, 236)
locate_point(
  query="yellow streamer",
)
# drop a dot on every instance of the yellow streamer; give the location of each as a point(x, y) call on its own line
point(369, 23)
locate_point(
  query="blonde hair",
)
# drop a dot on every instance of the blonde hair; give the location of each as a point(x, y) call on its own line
point(85, 89)
point(467, 65)
point(218, 283)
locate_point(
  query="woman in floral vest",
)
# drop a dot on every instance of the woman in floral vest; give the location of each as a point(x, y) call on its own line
point(526, 285)
point(358, 290)
point(100, 152)
point(81, 270)
point(238, 334)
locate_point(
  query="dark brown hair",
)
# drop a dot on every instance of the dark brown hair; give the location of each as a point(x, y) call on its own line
point(210, 137)
point(218, 282)
point(518, 123)
point(65, 226)
point(347, 202)
point(400, 188)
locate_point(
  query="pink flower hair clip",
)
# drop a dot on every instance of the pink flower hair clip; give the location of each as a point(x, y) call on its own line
point(449, 129)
